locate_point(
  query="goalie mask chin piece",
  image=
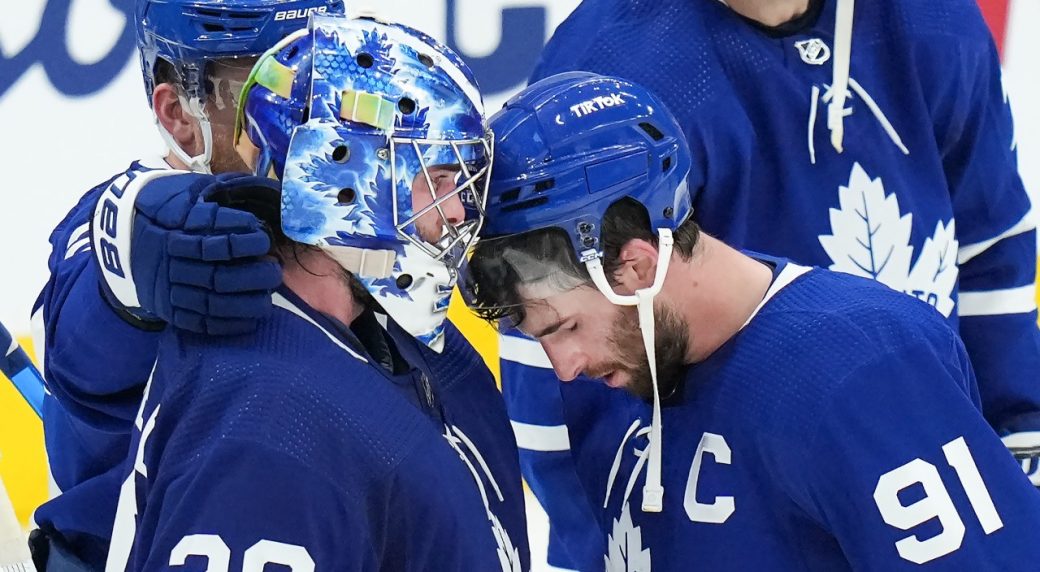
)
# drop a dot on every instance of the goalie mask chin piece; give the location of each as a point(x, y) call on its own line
point(643, 300)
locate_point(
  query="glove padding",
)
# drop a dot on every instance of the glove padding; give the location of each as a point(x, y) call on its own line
point(196, 264)
point(1021, 435)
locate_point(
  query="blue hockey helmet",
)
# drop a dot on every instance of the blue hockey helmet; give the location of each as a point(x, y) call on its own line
point(190, 34)
point(571, 145)
point(377, 133)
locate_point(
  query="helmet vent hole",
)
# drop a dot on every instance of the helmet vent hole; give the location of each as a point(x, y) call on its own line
point(426, 60)
point(365, 60)
point(510, 195)
point(406, 105)
point(652, 131)
point(528, 204)
point(666, 164)
point(404, 281)
point(542, 186)
point(346, 196)
point(293, 50)
point(341, 153)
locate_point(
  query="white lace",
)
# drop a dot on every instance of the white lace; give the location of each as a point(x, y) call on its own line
point(617, 459)
point(643, 300)
point(837, 94)
point(508, 555)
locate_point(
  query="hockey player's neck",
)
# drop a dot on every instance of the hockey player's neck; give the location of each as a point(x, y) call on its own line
point(718, 289)
point(770, 13)
point(176, 163)
point(320, 282)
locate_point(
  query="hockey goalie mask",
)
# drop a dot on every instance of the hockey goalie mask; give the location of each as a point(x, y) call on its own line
point(378, 135)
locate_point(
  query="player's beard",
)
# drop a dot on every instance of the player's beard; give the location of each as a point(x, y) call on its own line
point(225, 159)
point(671, 340)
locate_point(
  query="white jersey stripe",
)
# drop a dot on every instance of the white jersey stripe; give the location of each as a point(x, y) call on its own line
point(969, 251)
point(541, 437)
point(523, 351)
point(993, 302)
point(76, 238)
point(282, 302)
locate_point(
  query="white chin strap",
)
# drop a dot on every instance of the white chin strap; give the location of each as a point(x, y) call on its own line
point(198, 163)
point(836, 111)
point(643, 300)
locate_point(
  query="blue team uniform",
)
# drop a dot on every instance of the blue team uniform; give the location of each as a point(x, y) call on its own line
point(865, 450)
point(296, 437)
point(96, 362)
point(925, 197)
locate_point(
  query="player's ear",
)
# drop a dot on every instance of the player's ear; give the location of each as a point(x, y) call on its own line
point(175, 118)
point(637, 263)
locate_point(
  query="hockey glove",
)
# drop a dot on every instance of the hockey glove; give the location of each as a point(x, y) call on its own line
point(1021, 435)
point(169, 253)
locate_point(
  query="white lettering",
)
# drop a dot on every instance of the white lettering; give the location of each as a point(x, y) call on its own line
point(296, 14)
point(720, 510)
point(595, 104)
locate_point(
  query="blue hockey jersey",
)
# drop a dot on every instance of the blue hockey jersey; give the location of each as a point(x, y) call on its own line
point(838, 430)
point(96, 364)
point(925, 196)
point(294, 447)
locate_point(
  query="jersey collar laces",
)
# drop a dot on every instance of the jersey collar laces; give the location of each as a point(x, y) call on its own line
point(838, 93)
point(643, 300)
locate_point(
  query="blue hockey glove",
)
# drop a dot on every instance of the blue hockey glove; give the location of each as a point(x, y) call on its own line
point(1021, 435)
point(168, 252)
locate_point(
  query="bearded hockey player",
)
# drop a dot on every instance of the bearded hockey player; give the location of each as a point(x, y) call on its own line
point(791, 418)
point(354, 429)
point(873, 138)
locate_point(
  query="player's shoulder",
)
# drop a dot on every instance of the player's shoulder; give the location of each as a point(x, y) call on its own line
point(828, 337)
point(459, 362)
point(835, 324)
point(632, 39)
point(293, 387)
point(823, 303)
point(950, 22)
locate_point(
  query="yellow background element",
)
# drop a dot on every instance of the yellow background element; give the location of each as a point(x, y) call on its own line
point(23, 463)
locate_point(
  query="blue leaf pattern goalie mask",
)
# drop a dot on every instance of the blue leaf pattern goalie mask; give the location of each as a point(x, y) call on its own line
point(378, 135)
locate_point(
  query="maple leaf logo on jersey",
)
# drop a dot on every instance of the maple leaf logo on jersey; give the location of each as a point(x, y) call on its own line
point(508, 555)
point(871, 238)
point(625, 552)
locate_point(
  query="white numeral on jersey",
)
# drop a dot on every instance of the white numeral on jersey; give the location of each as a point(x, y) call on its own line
point(936, 503)
point(218, 555)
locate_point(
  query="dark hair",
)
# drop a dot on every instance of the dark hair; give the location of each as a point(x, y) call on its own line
point(165, 72)
point(265, 204)
point(494, 282)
